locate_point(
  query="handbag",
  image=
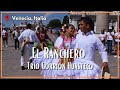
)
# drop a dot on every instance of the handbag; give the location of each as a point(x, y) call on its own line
point(105, 73)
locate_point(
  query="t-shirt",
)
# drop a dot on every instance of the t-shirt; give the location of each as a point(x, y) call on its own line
point(17, 34)
point(109, 35)
point(3, 33)
point(102, 37)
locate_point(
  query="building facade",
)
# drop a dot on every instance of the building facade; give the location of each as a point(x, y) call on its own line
point(102, 20)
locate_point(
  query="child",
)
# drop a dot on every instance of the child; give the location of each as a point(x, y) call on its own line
point(89, 42)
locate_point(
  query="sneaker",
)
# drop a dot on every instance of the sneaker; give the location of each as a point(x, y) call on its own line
point(6, 46)
point(115, 56)
point(22, 67)
point(30, 60)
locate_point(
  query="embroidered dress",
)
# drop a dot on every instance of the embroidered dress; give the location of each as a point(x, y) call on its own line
point(61, 43)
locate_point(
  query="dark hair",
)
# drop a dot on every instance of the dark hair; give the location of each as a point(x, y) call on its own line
point(42, 28)
point(43, 32)
point(29, 26)
point(61, 30)
point(38, 28)
point(89, 21)
point(67, 26)
point(109, 30)
point(102, 31)
point(17, 27)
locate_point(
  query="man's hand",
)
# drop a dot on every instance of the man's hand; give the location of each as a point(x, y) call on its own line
point(56, 48)
point(27, 42)
point(105, 65)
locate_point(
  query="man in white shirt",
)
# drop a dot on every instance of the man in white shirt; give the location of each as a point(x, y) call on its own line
point(88, 41)
point(102, 37)
point(110, 39)
point(17, 34)
point(79, 31)
point(27, 50)
point(4, 37)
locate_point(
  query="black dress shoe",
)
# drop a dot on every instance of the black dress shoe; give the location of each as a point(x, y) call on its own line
point(22, 67)
point(30, 60)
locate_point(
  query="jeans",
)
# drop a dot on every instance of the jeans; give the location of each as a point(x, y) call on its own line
point(4, 42)
point(109, 44)
point(16, 43)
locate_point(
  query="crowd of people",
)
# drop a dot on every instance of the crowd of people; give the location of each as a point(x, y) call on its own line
point(111, 40)
point(69, 38)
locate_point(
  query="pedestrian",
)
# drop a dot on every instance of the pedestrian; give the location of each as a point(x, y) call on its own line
point(4, 37)
point(27, 37)
point(10, 34)
point(21, 30)
point(62, 42)
point(38, 32)
point(110, 38)
point(16, 35)
point(117, 43)
point(102, 37)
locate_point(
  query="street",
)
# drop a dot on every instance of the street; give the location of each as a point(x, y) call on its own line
point(11, 63)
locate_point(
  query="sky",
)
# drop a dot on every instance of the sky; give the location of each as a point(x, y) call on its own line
point(11, 17)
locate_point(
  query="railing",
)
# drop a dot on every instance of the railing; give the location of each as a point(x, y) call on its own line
point(92, 13)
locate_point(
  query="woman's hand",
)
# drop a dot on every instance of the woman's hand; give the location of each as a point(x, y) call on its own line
point(105, 65)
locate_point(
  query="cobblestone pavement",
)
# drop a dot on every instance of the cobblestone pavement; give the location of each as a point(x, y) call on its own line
point(11, 63)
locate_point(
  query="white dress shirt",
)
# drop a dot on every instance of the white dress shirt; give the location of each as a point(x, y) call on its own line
point(89, 43)
point(28, 33)
point(79, 31)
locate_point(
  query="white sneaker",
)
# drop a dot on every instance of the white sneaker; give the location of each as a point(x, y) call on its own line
point(6, 46)
point(115, 56)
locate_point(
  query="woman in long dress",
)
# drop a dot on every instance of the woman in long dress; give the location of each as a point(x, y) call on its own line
point(66, 41)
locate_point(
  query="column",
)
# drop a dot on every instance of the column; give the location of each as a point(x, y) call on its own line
point(102, 22)
point(84, 14)
point(74, 22)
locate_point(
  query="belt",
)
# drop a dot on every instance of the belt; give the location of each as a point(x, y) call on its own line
point(31, 42)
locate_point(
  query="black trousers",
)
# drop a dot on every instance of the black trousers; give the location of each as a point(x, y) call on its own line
point(16, 43)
